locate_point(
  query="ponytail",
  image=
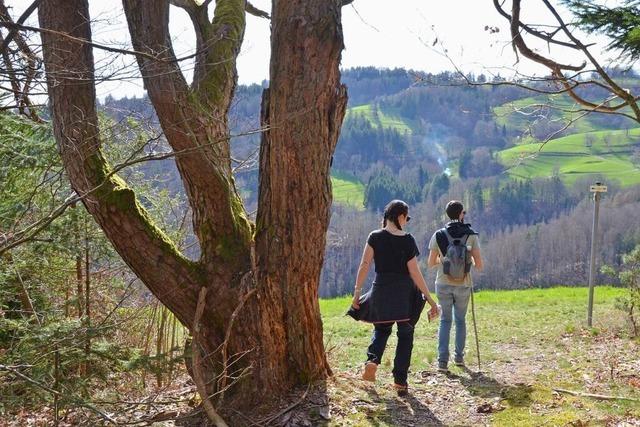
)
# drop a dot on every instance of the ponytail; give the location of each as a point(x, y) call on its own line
point(393, 210)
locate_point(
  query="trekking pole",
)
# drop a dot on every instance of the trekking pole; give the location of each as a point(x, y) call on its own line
point(475, 327)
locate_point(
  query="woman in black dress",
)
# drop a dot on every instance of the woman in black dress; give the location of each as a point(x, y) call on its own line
point(396, 295)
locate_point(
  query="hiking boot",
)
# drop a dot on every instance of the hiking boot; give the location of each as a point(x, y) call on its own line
point(402, 390)
point(459, 361)
point(442, 367)
point(369, 373)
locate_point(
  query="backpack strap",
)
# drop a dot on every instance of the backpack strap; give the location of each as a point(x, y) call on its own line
point(442, 239)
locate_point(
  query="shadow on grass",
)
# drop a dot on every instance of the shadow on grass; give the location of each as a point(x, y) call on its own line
point(482, 385)
point(400, 411)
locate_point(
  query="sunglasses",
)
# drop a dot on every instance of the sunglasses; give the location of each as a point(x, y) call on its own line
point(408, 218)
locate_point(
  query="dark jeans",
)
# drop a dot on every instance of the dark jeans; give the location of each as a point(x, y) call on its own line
point(402, 360)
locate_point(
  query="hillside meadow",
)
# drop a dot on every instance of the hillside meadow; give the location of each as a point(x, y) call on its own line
point(535, 350)
point(347, 190)
point(605, 153)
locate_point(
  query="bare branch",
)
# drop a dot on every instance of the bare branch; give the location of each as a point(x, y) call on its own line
point(548, 37)
point(24, 58)
point(159, 58)
point(614, 87)
point(518, 42)
point(28, 11)
point(595, 396)
point(8, 242)
point(187, 5)
point(17, 373)
point(225, 358)
point(252, 10)
point(556, 68)
point(198, 375)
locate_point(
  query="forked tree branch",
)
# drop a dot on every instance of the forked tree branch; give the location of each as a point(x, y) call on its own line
point(21, 81)
point(569, 84)
point(521, 46)
point(12, 32)
point(252, 10)
point(548, 37)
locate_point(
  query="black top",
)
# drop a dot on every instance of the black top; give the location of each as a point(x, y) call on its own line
point(391, 253)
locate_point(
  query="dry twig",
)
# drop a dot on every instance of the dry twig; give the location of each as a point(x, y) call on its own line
point(594, 396)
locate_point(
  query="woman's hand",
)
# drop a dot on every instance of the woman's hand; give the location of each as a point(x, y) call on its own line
point(433, 311)
point(356, 300)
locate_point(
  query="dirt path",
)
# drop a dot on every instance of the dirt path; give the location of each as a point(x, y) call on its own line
point(519, 382)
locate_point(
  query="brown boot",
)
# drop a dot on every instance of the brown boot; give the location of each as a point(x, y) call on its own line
point(369, 373)
point(402, 390)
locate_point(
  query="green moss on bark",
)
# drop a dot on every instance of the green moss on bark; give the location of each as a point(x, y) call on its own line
point(226, 35)
point(116, 196)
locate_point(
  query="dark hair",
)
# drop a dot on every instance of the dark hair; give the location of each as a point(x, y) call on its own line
point(454, 209)
point(393, 210)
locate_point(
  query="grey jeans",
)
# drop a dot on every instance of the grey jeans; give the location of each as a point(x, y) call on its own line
point(454, 301)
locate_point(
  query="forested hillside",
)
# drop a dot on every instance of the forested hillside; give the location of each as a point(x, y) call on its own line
point(521, 164)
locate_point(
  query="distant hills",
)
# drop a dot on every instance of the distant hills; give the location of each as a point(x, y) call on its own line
point(399, 126)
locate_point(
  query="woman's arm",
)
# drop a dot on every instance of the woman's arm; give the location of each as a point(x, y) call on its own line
point(418, 279)
point(363, 269)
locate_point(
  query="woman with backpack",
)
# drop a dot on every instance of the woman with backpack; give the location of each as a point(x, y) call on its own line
point(396, 295)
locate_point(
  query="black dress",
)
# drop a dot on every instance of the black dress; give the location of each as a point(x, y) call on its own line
point(393, 297)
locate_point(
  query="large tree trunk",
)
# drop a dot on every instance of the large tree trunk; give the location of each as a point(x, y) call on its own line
point(303, 109)
point(261, 314)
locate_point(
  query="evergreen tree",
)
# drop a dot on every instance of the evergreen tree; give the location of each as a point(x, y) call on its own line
point(464, 164)
point(477, 198)
point(439, 187)
point(621, 23)
point(423, 177)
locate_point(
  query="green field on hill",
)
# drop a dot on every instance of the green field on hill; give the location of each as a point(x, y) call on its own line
point(520, 115)
point(379, 118)
point(347, 190)
point(606, 153)
point(532, 344)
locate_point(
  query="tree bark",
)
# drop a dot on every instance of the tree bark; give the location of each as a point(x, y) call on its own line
point(303, 109)
point(70, 78)
point(196, 120)
point(261, 315)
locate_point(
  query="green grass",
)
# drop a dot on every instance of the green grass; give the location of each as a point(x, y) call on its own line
point(347, 190)
point(531, 342)
point(519, 115)
point(572, 158)
point(382, 119)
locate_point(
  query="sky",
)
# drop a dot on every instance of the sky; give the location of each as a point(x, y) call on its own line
point(412, 34)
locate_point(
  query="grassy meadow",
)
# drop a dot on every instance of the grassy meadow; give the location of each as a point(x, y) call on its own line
point(605, 153)
point(531, 342)
point(347, 190)
point(518, 115)
point(381, 119)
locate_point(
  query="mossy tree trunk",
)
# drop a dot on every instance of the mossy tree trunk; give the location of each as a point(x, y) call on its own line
point(261, 307)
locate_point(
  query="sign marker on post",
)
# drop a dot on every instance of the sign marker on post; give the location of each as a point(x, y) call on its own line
point(597, 191)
